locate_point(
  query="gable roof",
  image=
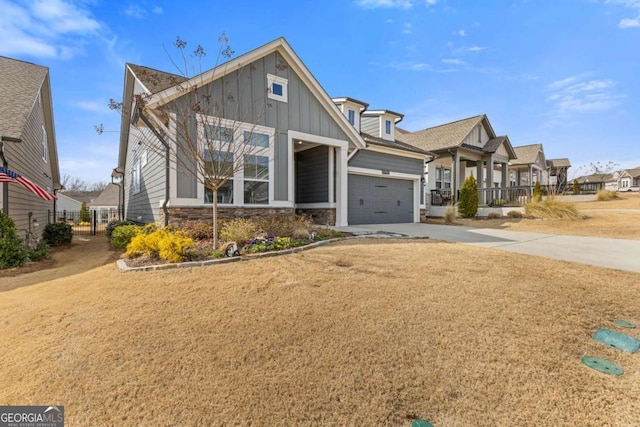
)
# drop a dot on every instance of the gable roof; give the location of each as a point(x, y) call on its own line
point(155, 80)
point(596, 177)
point(526, 154)
point(634, 172)
point(398, 145)
point(110, 196)
point(444, 136)
point(19, 86)
point(559, 163)
point(165, 95)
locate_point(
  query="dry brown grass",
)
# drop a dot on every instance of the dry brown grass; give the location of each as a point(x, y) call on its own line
point(615, 219)
point(552, 208)
point(334, 336)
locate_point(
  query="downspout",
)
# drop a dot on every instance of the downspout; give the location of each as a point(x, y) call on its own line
point(5, 185)
point(147, 122)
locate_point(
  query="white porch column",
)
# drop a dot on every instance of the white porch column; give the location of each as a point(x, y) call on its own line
point(530, 175)
point(342, 183)
point(479, 168)
point(455, 185)
point(331, 175)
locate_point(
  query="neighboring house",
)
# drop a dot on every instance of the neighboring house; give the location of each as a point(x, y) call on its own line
point(627, 178)
point(27, 144)
point(107, 204)
point(463, 148)
point(67, 208)
point(529, 166)
point(558, 172)
point(596, 181)
point(314, 158)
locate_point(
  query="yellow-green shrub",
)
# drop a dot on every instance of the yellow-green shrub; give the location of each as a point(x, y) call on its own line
point(168, 245)
point(239, 230)
point(122, 235)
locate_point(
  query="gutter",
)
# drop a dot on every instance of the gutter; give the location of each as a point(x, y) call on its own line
point(157, 134)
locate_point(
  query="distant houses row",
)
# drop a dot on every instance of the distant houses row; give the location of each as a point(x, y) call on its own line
point(287, 146)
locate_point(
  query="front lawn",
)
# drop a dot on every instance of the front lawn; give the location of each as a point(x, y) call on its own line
point(366, 332)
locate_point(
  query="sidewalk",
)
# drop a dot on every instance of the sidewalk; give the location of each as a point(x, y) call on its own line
point(610, 253)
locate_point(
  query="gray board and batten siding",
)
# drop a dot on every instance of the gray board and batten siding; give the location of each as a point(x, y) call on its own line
point(245, 100)
point(312, 175)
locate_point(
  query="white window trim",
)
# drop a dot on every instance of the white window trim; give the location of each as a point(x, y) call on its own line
point(135, 179)
point(271, 79)
point(351, 112)
point(238, 179)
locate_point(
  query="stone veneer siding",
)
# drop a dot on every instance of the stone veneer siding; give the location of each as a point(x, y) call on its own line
point(178, 215)
point(423, 215)
point(321, 216)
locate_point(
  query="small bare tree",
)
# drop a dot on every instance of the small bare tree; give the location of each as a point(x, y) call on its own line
point(204, 131)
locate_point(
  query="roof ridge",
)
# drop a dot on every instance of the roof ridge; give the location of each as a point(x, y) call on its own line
point(24, 62)
point(450, 123)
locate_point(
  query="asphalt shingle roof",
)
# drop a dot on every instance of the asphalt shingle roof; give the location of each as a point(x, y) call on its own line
point(155, 80)
point(399, 145)
point(559, 163)
point(493, 144)
point(19, 85)
point(526, 154)
point(444, 136)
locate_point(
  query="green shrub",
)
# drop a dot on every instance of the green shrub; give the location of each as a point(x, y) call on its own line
point(576, 187)
point(468, 203)
point(515, 214)
point(494, 215)
point(122, 235)
point(537, 192)
point(553, 209)
point(58, 233)
point(239, 230)
point(450, 214)
point(85, 213)
point(116, 223)
point(606, 195)
point(41, 252)
point(12, 250)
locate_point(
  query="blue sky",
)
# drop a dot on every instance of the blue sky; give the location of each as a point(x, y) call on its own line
point(562, 73)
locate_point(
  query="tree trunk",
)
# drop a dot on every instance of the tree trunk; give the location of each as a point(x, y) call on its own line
point(215, 219)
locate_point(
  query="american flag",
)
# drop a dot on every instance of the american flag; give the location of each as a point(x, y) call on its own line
point(7, 175)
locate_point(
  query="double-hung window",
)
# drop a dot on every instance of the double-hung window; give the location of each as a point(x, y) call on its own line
point(387, 127)
point(443, 178)
point(239, 154)
point(44, 144)
point(352, 117)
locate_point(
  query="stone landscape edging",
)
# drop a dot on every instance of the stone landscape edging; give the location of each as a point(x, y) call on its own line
point(124, 268)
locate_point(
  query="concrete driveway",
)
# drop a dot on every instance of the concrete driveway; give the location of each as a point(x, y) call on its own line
point(611, 253)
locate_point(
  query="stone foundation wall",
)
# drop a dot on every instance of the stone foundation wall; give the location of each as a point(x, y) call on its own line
point(320, 216)
point(423, 215)
point(178, 215)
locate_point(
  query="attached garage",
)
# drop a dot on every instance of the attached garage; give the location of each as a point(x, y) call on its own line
point(380, 200)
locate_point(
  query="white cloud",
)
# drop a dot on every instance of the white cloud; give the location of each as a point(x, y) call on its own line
point(631, 4)
point(135, 11)
point(453, 62)
point(407, 28)
point(410, 66)
point(157, 10)
point(630, 23)
point(432, 2)
point(576, 94)
point(461, 33)
point(373, 4)
point(476, 48)
point(45, 28)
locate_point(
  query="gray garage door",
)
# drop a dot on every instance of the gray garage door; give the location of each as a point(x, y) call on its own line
point(376, 200)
